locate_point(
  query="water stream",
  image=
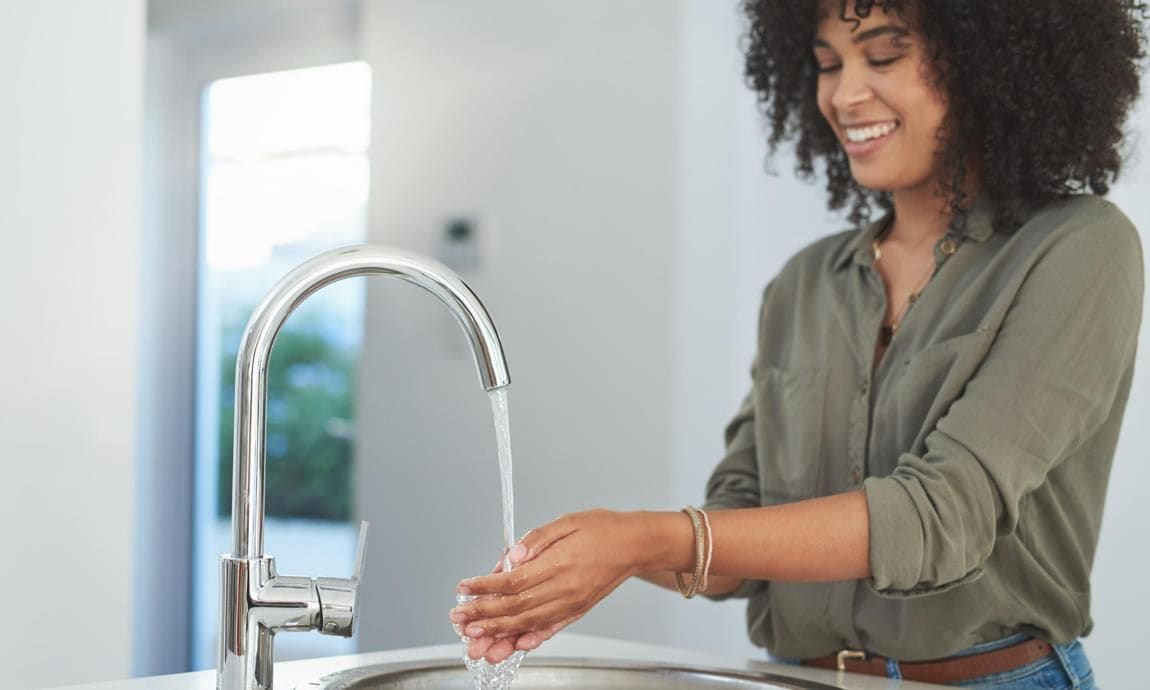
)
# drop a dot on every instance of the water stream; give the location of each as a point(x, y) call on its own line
point(499, 676)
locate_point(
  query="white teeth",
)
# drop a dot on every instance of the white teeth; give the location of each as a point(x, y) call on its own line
point(860, 134)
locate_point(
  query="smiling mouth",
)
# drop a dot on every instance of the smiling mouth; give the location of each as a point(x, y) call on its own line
point(861, 135)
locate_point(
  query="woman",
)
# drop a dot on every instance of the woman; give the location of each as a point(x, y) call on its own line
point(914, 485)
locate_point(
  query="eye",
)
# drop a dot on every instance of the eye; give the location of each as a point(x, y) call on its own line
point(884, 62)
point(827, 69)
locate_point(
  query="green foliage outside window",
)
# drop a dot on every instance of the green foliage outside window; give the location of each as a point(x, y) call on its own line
point(309, 413)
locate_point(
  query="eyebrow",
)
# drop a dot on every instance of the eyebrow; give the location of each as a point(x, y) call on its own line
point(896, 31)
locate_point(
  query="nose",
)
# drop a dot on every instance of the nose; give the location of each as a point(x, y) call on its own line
point(851, 90)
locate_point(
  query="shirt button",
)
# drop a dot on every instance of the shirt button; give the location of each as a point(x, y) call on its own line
point(948, 246)
point(856, 475)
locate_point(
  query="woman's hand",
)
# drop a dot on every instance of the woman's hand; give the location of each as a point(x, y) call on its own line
point(562, 570)
point(495, 649)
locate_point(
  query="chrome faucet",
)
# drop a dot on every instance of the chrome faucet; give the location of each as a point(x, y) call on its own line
point(255, 602)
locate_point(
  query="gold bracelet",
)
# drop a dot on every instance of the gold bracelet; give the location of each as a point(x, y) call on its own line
point(697, 526)
point(700, 555)
point(710, 549)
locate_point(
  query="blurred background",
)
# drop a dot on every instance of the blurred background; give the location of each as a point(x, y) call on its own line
point(594, 170)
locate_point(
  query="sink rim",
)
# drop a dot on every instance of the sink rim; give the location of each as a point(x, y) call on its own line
point(341, 680)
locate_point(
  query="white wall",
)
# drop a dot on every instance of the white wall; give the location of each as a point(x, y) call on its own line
point(71, 74)
point(1120, 612)
point(736, 227)
point(552, 123)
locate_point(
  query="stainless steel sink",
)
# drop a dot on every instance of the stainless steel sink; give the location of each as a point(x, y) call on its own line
point(559, 674)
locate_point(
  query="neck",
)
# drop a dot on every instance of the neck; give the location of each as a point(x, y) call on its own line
point(920, 218)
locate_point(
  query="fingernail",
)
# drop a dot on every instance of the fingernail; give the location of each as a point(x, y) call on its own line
point(529, 642)
point(464, 590)
point(474, 631)
point(518, 553)
point(458, 616)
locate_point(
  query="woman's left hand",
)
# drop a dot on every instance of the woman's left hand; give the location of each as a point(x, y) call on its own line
point(563, 569)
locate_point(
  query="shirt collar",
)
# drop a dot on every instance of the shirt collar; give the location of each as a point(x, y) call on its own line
point(979, 228)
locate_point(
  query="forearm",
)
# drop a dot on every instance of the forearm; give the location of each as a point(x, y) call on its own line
point(716, 584)
point(570, 564)
point(662, 578)
point(817, 540)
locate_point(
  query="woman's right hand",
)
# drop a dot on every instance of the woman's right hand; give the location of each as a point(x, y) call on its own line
point(497, 649)
point(562, 570)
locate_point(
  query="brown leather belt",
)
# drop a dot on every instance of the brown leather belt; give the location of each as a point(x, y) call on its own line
point(941, 671)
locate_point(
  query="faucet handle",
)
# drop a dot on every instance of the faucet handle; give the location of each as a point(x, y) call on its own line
point(360, 550)
point(337, 595)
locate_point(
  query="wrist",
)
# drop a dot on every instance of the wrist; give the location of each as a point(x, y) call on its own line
point(660, 541)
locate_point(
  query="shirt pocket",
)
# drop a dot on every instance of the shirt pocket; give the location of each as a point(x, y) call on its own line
point(930, 380)
point(789, 410)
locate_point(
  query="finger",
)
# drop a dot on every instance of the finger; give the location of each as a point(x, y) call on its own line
point(537, 540)
point(477, 647)
point(498, 606)
point(528, 641)
point(535, 619)
point(513, 582)
point(550, 632)
point(545, 605)
point(499, 651)
point(533, 543)
point(533, 639)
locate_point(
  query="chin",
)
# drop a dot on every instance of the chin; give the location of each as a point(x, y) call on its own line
point(876, 183)
point(887, 180)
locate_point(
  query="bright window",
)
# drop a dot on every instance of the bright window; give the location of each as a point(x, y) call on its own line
point(284, 176)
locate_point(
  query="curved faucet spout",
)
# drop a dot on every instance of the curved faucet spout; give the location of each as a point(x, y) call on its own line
point(265, 324)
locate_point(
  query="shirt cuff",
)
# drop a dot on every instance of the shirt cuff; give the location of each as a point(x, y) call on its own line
point(896, 543)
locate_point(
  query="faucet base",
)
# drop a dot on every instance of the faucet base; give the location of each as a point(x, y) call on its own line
point(255, 604)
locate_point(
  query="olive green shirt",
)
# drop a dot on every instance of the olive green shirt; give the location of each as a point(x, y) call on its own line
point(983, 439)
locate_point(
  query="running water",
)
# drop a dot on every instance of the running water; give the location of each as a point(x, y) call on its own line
point(498, 676)
point(503, 441)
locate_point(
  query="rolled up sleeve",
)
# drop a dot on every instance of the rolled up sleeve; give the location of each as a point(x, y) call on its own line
point(1047, 383)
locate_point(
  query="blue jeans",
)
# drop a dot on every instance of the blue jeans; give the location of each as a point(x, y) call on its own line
point(1068, 669)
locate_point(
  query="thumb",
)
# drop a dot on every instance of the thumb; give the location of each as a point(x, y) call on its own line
point(537, 541)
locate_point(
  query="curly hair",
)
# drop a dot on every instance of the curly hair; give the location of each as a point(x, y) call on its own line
point(1040, 90)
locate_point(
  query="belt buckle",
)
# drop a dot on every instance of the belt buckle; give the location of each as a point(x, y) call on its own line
point(848, 655)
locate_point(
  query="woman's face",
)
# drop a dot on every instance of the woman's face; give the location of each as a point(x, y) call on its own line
point(874, 89)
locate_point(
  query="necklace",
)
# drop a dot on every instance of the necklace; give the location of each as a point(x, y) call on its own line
point(886, 333)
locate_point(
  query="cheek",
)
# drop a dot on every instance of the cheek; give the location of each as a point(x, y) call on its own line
point(823, 98)
point(929, 121)
point(930, 108)
point(921, 111)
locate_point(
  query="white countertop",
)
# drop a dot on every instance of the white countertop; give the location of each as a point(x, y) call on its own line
point(290, 674)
